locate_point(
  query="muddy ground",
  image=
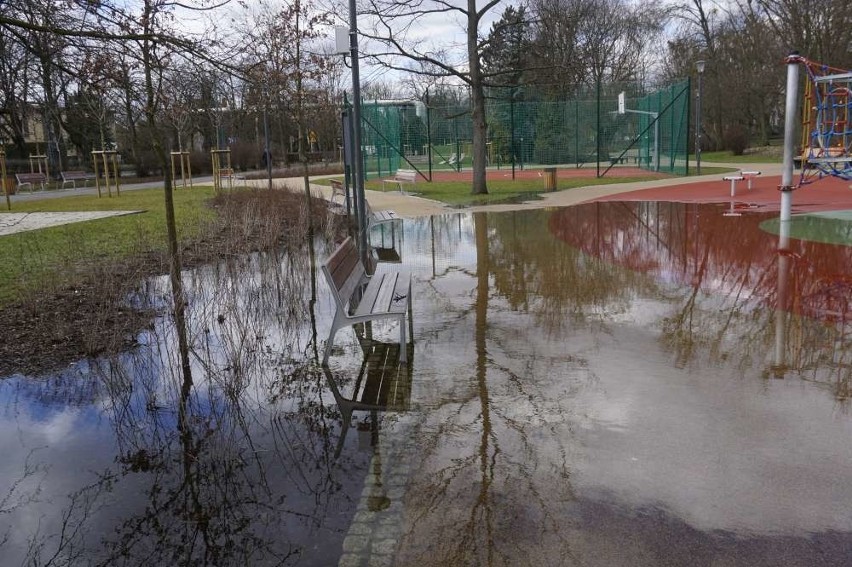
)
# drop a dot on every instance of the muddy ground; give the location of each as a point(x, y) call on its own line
point(89, 315)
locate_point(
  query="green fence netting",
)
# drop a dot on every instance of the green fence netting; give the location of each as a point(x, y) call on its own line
point(588, 131)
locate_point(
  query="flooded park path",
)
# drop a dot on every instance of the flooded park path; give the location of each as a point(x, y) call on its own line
point(614, 383)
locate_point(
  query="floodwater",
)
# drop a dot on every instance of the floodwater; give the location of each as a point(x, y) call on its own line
point(607, 384)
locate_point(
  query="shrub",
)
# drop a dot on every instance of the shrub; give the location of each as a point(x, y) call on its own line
point(736, 139)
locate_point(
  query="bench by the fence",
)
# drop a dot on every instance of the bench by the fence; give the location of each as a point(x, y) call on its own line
point(30, 179)
point(359, 297)
point(407, 176)
point(73, 177)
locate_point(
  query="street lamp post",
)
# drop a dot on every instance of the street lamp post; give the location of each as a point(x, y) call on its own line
point(699, 65)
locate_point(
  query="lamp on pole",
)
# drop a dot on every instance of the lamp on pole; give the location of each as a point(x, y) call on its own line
point(699, 65)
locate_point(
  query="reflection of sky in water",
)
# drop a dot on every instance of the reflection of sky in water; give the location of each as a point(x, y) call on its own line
point(102, 444)
point(606, 400)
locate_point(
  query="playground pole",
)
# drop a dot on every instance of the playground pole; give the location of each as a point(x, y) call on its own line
point(789, 136)
point(781, 299)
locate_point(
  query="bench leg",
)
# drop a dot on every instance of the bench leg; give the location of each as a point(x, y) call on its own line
point(335, 325)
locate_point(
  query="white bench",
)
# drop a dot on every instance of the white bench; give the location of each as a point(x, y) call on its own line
point(376, 218)
point(30, 179)
point(386, 295)
point(407, 176)
point(747, 175)
point(73, 177)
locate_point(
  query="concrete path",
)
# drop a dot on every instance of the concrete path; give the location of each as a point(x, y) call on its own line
point(409, 206)
point(413, 206)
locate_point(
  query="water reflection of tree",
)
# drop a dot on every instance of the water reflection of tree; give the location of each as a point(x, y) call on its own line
point(561, 285)
point(229, 464)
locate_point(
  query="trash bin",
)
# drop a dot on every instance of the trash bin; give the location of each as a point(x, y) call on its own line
point(550, 179)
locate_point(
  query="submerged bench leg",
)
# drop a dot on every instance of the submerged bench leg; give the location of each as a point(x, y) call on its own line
point(335, 325)
point(403, 342)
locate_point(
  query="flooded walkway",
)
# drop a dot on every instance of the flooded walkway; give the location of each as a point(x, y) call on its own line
point(618, 383)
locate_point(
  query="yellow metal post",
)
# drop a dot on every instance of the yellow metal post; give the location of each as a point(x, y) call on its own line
point(3, 178)
point(97, 173)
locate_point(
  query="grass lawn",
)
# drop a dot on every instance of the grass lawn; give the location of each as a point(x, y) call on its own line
point(31, 259)
point(499, 191)
point(727, 157)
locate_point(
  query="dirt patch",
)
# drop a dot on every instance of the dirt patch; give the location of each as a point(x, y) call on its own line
point(89, 315)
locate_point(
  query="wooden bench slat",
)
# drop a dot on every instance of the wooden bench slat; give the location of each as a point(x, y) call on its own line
point(385, 295)
point(367, 303)
point(384, 301)
point(339, 253)
point(344, 267)
point(351, 279)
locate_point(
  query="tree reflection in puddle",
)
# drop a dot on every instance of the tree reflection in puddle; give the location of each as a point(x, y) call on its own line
point(228, 461)
point(588, 386)
point(608, 361)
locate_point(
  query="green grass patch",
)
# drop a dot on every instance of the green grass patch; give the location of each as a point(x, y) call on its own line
point(32, 261)
point(728, 157)
point(499, 191)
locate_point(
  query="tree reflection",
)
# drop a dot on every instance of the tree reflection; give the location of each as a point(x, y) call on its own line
point(480, 481)
point(228, 462)
point(722, 275)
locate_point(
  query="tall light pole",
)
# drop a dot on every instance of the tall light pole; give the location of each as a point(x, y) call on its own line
point(699, 65)
point(358, 163)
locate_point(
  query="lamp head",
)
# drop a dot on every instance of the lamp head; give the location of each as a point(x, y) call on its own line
point(700, 66)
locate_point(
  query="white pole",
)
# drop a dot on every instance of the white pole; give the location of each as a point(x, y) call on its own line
point(793, 61)
point(781, 299)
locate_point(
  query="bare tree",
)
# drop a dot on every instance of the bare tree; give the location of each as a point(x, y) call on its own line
point(281, 56)
point(394, 30)
point(580, 43)
point(819, 29)
point(14, 88)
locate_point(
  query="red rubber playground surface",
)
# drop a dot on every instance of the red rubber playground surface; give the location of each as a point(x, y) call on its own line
point(829, 194)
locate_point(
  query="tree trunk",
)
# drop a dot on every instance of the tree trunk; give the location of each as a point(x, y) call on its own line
point(477, 94)
point(175, 269)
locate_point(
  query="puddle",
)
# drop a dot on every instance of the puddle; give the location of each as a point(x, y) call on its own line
point(607, 384)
